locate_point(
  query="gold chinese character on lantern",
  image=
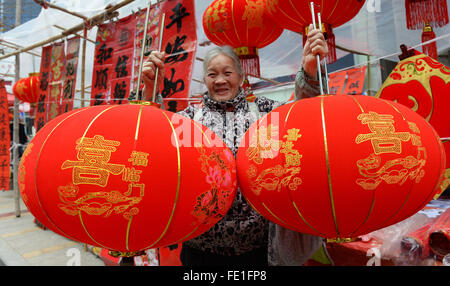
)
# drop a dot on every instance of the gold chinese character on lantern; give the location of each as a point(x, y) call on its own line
point(92, 166)
point(384, 139)
point(139, 158)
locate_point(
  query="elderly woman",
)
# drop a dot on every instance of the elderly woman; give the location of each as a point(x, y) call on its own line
point(242, 237)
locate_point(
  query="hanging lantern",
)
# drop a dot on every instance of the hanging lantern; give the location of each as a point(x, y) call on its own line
point(127, 177)
point(27, 89)
point(243, 25)
point(340, 166)
point(423, 85)
point(296, 16)
point(419, 13)
point(431, 48)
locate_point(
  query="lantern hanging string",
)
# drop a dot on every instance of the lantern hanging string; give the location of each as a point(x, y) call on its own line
point(143, 50)
point(161, 32)
point(325, 62)
point(318, 56)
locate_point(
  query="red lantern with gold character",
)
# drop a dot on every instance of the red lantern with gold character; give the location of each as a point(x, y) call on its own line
point(340, 166)
point(423, 84)
point(27, 89)
point(127, 177)
point(296, 16)
point(243, 25)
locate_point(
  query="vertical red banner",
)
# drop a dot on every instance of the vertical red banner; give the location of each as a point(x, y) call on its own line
point(179, 43)
point(56, 80)
point(113, 62)
point(336, 82)
point(70, 77)
point(5, 140)
point(355, 81)
point(44, 74)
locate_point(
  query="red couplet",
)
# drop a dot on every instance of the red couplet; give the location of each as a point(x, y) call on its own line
point(340, 166)
point(127, 177)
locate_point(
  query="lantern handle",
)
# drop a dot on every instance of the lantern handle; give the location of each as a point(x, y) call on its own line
point(317, 56)
point(143, 49)
point(161, 32)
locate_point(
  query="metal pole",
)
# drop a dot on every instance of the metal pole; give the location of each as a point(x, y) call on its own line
point(161, 32)
point(325, 63)
point(318, 57)
point(143, 49)
point(16, 123)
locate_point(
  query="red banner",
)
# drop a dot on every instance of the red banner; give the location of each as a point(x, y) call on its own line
point(179, 42)
point(70, 76)
point(56, 80)
point(5, 140)
point(41, 110)
point(355, 80)
point(113, 62)
point(336, 82)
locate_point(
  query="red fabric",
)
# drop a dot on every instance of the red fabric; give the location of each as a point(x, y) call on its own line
point(423, 85)
point(57, 74)
point(418, 12)
point(325, 153)
point(113, 62)
point(70, 76)
point(336, 82)
point(27, 89)
point(179, 42)
point(5, 140)
point(355, 80)
point(439, 239)
point(44, 75)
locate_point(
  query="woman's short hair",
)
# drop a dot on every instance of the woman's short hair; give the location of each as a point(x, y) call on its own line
point(222, 50)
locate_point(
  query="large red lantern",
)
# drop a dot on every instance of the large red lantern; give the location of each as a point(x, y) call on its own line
point(127, 177)
point(27, 89)
point(422, 84)
point(340, 166)
point(296, 16)
point(244, 25)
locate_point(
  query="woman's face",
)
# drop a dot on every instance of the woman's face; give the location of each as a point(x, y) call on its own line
point(222, 79)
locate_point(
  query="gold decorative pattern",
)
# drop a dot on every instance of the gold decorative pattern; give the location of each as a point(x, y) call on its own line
point(384, 139)
point(265, 145)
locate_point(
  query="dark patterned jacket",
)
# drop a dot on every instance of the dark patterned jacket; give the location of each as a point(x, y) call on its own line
point(242, 229)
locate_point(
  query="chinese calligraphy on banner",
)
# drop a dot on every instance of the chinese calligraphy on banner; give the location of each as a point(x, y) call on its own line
point(355, 81)
point(113, 62)
point(179, 43)
point(56, 80)
point(70, 76)
point(41, 110)
point(5, 139)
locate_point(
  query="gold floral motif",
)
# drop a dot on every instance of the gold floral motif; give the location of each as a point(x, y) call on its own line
point(274, 178)
point(97, 203)
point(22, 171)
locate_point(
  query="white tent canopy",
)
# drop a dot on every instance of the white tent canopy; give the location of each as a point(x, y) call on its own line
point(378, 30)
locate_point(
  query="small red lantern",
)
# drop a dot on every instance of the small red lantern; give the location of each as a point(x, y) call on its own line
point(127, 177)
point(340, 166)
point(27, 89)
point(296, 16)
point(243, 25)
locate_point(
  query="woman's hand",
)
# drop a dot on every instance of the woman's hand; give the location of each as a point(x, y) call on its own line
point(315, 45)
point(153, 61)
